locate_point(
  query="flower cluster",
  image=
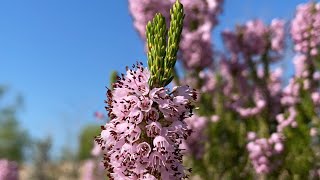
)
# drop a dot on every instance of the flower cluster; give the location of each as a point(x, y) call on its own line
point(255, 37)
point(245, 112)
point(245, 91)
point(305, 28)
point(201, 17)
point(291, 94)
point(246, 101)
point(235, 75)
point(263, 152)
point(196, 48)
point(193, 145)
point(289, 121)
point(143, 11)
point(204, 83)
point(146, 128)
point(8, 170)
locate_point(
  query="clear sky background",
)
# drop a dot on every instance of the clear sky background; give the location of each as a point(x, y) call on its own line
point(58, 54)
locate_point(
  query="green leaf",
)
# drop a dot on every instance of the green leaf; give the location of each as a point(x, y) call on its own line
point(163, 45)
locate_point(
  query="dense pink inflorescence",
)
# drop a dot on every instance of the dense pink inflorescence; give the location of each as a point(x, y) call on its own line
point(305, 29)
point(291, 94)
point(252, 90)
point(143, 11)
point(146, 128)
point(263, 152)
point(254, 38)
point(205, 81)
point(196, 48)
point(195, 143)
point(245, 112)
point(8, 170)
point(235, 75)
point(201, 16)
point(290, 121)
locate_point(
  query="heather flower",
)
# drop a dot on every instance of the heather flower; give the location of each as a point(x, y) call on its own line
point(285, 121)
point(245, 112)
point(263, 152)
point(275, 82)
point(251, 136)
point(315, 96)
point(146, 128)
point(143, 11)
point(290, 93)
point(195, 143)
point(305, 28)
point(274, 89)
point(254, 38)
point(313, 132)
point(254, 35)
point(301, 64)
point(209, 81)
point(316, 75)
point(234, 74)
point(277, 33)
point(196, 48)
point(214, 118)
point(8, 170)
point(205, 81)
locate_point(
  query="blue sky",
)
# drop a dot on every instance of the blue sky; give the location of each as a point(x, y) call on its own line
point(58, 55)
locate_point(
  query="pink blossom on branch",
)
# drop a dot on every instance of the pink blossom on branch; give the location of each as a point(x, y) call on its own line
point(195, 143)
point(254, 38)
point(146, 128)
point(305, 28)
point(263, 152)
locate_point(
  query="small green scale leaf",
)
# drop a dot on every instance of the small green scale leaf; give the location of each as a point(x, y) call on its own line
point(163, 45)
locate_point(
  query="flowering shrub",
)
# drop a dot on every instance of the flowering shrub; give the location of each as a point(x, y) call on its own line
point(248, 122)
point(146, 128)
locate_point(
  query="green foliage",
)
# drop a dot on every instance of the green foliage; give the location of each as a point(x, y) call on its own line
point(162, 50)
point(13, 139)
point(86, 141)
